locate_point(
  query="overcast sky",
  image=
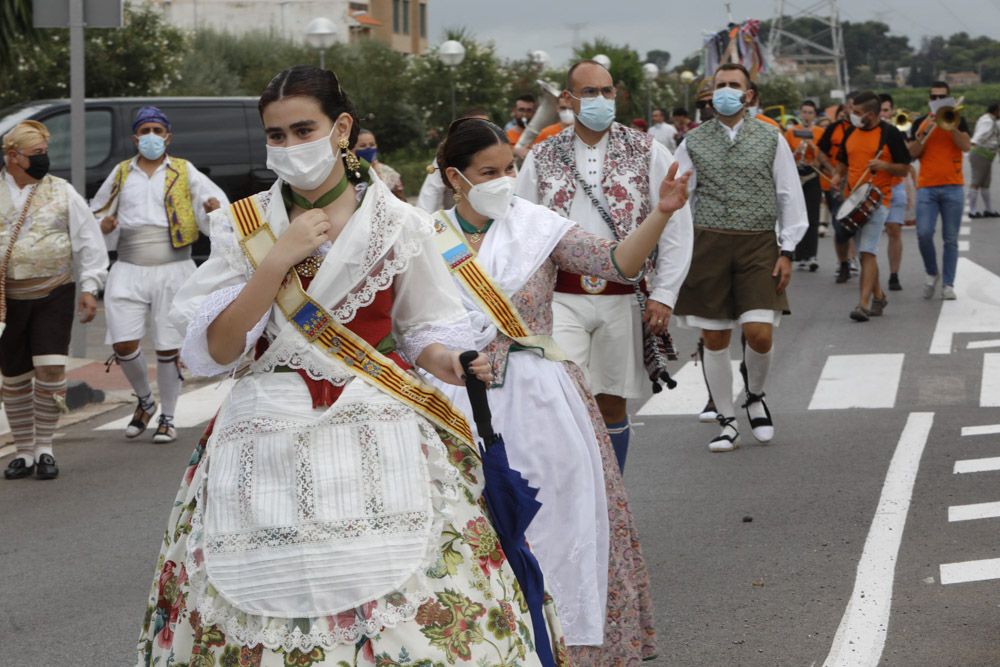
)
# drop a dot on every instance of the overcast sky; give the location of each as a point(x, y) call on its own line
point(520, 26)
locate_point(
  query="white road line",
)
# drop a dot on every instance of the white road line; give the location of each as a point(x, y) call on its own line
point(858, 381)
point(860, 637)
point(194, 407)
point(972, 512)
point(989, 391)
point(977, 465)
point(970, 570)
point(988, 429)
point(963, 245)
point(976, 310)
point(964, 230)
point(983, 344)
point(690, 395)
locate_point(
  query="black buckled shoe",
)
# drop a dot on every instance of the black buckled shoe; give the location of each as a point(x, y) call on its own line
point(18, 468)
point(761, 427)
point(45, 467)
point(728, 438)
point(140, 419)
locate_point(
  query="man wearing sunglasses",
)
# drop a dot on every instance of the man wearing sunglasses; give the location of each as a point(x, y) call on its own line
point(48, 230)
point(939, 189)
point(605, 177)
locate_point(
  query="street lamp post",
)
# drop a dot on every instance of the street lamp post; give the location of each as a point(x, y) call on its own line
point(540, 58)
point(687, 76)
point(649, 72)
point(321, 33)
point(452, 53)
point(603, 61)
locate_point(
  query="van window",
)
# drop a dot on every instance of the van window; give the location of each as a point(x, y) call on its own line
point(98, 122)
point(208, 135)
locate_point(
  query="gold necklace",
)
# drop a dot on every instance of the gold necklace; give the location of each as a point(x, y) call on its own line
point(308, 267)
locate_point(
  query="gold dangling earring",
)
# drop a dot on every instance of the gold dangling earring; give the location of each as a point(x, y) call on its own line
point(350, 159)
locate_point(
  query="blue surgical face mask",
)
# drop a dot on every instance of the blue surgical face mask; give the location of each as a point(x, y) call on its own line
point(152, 146)
point(727, 101)
point(597, 113)
point(367, 154)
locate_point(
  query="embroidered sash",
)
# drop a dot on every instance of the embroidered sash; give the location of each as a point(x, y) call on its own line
point(327, 334)
point(463, 265)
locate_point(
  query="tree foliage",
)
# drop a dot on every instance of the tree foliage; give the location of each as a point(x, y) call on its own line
point(142, 58)
point(15, 27)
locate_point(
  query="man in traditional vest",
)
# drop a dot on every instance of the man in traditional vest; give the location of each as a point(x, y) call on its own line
point(46, 229)
point(154, 205)
point(744, 178)
point(605, 177)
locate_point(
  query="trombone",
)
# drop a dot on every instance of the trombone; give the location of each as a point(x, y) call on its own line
point(903, 121)
point(946, 118)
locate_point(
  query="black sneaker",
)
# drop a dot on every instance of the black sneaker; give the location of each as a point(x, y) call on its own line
point(977, 215)
point(894, 285)
point(18, 469)
point(46, 467)
point(844, 274)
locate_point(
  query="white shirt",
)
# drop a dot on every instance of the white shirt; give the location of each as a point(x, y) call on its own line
point(431, 197)
point(140, 203)
point(677, 240)
point(792, 219)
point(666, 134)
point(90, 257)
point(987, 132)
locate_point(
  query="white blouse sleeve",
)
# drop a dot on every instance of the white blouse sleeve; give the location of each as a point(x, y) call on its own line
point(427, 307)
point(208, 292)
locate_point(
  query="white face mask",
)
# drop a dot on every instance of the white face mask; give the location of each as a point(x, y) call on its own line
point(305, 166)
point(491, 198)
point(856, 121)
point(566, 116)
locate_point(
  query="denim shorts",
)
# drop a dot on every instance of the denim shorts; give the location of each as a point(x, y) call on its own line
point(897, 211)
point(868, 236)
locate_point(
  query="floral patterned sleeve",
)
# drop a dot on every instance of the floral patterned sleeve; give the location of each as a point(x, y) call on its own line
point(587, 254)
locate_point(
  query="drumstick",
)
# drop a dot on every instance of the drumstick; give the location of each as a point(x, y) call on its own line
point(861, 180)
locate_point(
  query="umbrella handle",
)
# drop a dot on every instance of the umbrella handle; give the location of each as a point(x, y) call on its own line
point(476, 389)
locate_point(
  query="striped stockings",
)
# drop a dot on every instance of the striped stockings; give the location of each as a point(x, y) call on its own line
point(19, 406)
point(49, 399)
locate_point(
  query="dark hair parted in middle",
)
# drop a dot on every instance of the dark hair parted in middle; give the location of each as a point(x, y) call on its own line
point(466, 137)
point(321, 85)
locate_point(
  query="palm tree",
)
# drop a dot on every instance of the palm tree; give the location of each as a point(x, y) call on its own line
point(15, 23)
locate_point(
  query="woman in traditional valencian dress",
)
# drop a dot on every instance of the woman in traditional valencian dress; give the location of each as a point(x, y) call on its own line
point(584, 536)
point(332, 514)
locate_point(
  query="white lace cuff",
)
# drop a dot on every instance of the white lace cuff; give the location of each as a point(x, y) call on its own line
point(455, 334)
point(195, 350)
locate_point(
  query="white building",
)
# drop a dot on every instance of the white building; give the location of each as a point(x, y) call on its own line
point(400, 24)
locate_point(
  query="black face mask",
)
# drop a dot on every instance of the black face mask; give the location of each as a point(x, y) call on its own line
point(38, 166)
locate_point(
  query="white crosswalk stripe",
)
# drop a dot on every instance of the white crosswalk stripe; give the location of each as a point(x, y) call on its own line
point(858, 381)
point(194, 407)
point(690, 395)
point(968, 571)
point(989, 390)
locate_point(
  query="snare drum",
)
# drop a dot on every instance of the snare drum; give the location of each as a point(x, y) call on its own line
point(859, 206)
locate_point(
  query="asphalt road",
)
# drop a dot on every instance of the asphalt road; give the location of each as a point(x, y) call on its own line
point(754, 555)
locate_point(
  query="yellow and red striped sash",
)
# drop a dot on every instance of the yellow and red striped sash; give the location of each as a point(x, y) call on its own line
point(330, 336)
point(462, 262)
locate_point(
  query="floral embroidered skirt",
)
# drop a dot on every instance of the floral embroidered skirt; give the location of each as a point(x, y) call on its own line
point(474, 614)
point(629, 630)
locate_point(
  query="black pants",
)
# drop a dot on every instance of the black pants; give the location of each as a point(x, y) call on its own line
point(809, 245)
